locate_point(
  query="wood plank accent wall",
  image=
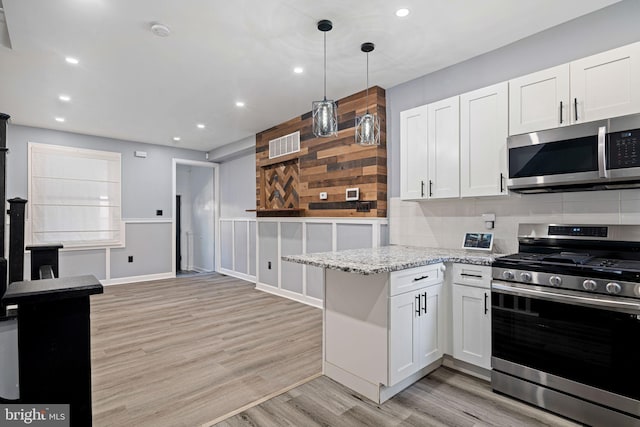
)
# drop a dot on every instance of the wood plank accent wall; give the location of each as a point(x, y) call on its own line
point(330, 165)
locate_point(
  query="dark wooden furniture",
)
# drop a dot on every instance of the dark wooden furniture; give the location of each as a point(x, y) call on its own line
point(54, 344)
point(44, 260)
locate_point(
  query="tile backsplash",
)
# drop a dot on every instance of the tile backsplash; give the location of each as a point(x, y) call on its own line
point(442, 223)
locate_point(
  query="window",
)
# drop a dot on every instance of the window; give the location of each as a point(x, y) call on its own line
point(74, 196)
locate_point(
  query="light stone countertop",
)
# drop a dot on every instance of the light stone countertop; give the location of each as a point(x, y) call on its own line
point(386, 259)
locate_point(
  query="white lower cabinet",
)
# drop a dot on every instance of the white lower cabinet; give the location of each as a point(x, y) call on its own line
point(382, 332)
point(471, 306)
point(415, 336)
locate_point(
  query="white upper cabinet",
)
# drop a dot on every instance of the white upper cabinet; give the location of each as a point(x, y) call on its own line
point(443, 146)
point(429, 151)
point(593, 88)
point(539, 101)
point(484, 120)
point(606, 85)
point(413, 153)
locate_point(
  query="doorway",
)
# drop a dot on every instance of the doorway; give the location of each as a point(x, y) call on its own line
point(178, 232)
point(195, 217)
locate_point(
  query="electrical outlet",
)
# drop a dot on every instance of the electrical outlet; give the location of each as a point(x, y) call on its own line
point(269, 265)
point(323, 195)
point(363, 206)
point(130, 258)
point(159, 212)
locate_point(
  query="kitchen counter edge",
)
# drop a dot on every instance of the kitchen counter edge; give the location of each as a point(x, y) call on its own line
point(388, 258)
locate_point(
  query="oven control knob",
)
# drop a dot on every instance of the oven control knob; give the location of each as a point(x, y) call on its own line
point(589, 285)
point(613, 288)
point(555, 281)
point(525, 277)
point(508, 275)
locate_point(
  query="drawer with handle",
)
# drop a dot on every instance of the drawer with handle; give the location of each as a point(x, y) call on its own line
point(472, 275)
point(415, 278)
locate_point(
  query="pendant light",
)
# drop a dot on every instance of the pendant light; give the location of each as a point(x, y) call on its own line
point(325, 112)
point(367, 125)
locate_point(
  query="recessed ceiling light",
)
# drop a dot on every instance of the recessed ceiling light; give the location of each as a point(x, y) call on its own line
point(200, 126)
point(401, 13)
point(71, 60)
point(64, 98)
point(298, 70)
point(239, 104)
point(176, 138)
point(60, 119)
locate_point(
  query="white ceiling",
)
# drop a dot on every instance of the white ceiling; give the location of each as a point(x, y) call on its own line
point(133, 85)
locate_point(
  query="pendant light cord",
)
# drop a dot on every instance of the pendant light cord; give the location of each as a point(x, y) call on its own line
point(325, 65)
point(367, 95)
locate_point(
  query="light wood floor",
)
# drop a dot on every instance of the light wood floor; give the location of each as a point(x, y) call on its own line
point(444, 398)
point(184, 352)
point(188, 351)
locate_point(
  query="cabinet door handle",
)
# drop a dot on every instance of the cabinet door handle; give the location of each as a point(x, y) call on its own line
point(575, 107)
point(418, 305)
point(560, 112)
point(486, 308)
point(417, 279)
point(425, 303)
point(430, 188)
point(501, 182)
point(421, 188)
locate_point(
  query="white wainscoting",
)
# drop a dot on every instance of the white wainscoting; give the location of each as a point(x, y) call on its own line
point(276, 237)
point(238, 248)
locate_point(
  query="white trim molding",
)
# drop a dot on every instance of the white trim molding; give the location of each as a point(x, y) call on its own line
point(377, 239)
point(235, 270)
point(135, 279)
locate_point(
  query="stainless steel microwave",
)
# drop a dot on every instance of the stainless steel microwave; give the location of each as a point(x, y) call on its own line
point(598, 155)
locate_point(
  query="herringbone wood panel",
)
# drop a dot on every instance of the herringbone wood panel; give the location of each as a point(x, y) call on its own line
point(281, 181)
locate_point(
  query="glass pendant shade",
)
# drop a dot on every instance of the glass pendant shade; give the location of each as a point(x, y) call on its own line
point(325, 118)
point(324, 113)
point(368, 130)
point(367, 125)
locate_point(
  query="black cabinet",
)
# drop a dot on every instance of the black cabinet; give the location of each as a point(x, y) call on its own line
point(54, 342)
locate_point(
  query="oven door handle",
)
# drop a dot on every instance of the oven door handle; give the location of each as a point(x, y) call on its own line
point(566, 298)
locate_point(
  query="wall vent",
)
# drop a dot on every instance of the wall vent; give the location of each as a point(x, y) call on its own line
point(284, 145)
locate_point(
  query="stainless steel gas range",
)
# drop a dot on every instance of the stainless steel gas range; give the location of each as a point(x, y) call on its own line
point(566, 321)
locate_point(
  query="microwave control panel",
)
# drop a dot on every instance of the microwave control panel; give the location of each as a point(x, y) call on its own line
point(624, 149)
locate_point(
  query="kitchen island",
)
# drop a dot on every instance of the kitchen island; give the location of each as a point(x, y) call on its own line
point(386, 313)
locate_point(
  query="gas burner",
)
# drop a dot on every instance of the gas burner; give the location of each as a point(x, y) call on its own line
point(568, 258)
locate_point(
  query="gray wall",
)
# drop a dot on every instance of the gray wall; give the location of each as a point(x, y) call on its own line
point(238, 187)
point(146, 187)
point(602, 30)
point(146, 183)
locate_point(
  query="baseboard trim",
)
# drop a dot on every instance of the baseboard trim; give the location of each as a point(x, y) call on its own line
point(134, 279)
point(237, 275)
point(377, 393)
point(467, 368)
point(314, 302)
